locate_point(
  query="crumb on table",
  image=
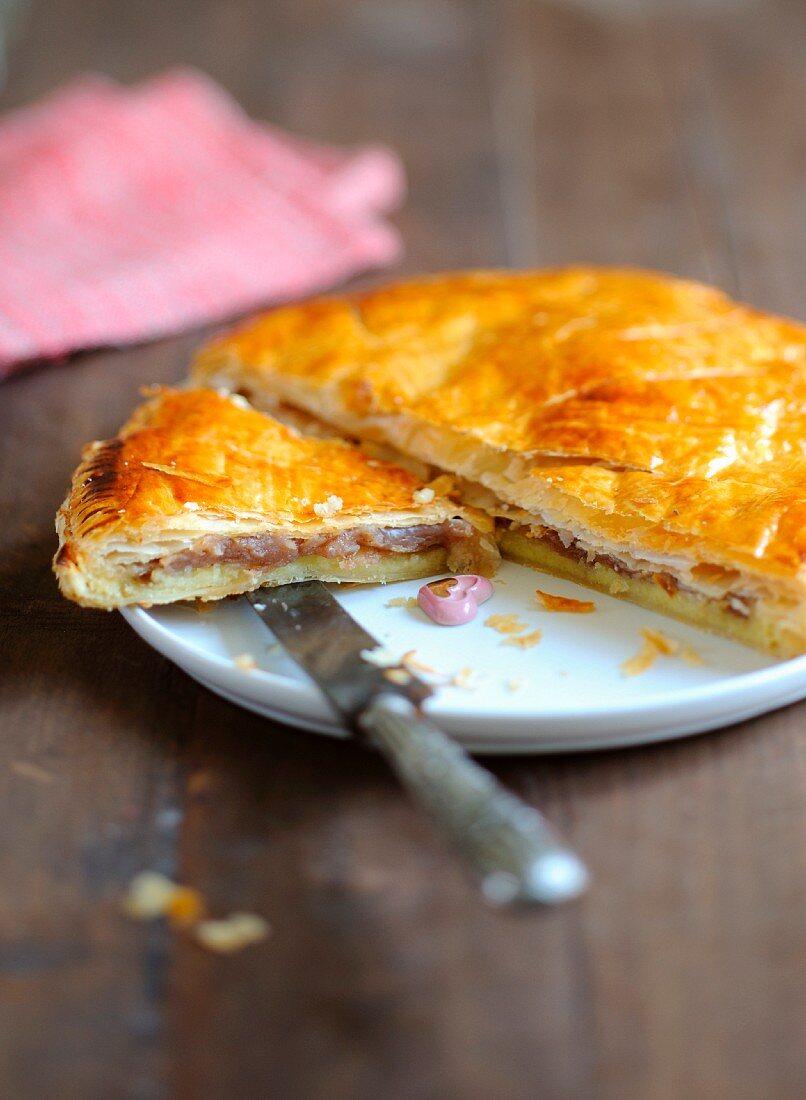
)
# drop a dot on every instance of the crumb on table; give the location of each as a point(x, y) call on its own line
point(230, 934)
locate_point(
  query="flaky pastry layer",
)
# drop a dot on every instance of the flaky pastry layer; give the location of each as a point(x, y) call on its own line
point(650, 416)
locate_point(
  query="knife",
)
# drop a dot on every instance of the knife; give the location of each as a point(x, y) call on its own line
point(514, 854)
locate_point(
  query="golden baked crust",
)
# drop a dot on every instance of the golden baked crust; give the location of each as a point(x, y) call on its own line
point(200, 496)
point(652, 416)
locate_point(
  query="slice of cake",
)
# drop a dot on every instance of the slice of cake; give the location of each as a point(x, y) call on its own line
point(201, 497)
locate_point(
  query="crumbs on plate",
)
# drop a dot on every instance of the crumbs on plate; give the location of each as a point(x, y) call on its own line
point(523, 641)
point(400, 669)
point(245, 662)
point(465, 678)
point(658, 644)
point(506, 624)
point(402, 601)
point(381, 657)
point(409, 659)
point(563, 603)
point(397, 676)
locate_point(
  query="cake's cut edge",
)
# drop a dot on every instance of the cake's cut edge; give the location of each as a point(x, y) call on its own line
point(758, 629)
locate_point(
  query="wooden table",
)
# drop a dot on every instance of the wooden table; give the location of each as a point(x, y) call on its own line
point(534, 132)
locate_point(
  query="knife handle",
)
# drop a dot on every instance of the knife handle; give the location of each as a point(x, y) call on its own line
point(511, 849)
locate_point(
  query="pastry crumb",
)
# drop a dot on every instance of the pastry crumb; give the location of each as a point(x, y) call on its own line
point(245, 662)
point(148, 895)
point(691, 656)
point(397, 676)
point(152, 894)
point(515, 684)
point(465, 678)
point(432, 676)
point(446, 485)
point(563, 603)
point(524, 641)
point(185, 906)
point(331, 506)
point(409, 659)
point(231, 934)
point(664, 644)
point(643, 660)
point(506, 624)
point(423, 496)
point(381, 657)
point(402, 601)
point(657, 644)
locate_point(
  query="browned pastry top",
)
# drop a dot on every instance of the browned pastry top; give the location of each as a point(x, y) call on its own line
point(654, 403)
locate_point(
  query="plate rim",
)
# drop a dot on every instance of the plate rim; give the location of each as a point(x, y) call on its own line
point(504, 746)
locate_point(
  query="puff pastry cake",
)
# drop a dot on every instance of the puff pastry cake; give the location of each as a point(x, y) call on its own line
point(642, 434)
point(200, 496)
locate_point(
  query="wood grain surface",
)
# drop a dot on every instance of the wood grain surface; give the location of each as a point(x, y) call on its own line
point(662, 133)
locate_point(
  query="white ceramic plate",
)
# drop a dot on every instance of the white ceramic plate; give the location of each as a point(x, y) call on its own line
point(565, 694)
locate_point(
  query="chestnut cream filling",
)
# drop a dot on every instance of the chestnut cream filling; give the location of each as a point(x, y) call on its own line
point(270, 549)
point(735, 602)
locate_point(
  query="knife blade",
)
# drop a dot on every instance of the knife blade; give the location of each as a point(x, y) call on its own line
point(512, 851)
point(322, 637)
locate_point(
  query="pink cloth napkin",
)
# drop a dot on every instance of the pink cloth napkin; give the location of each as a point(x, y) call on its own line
point(130, 213)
